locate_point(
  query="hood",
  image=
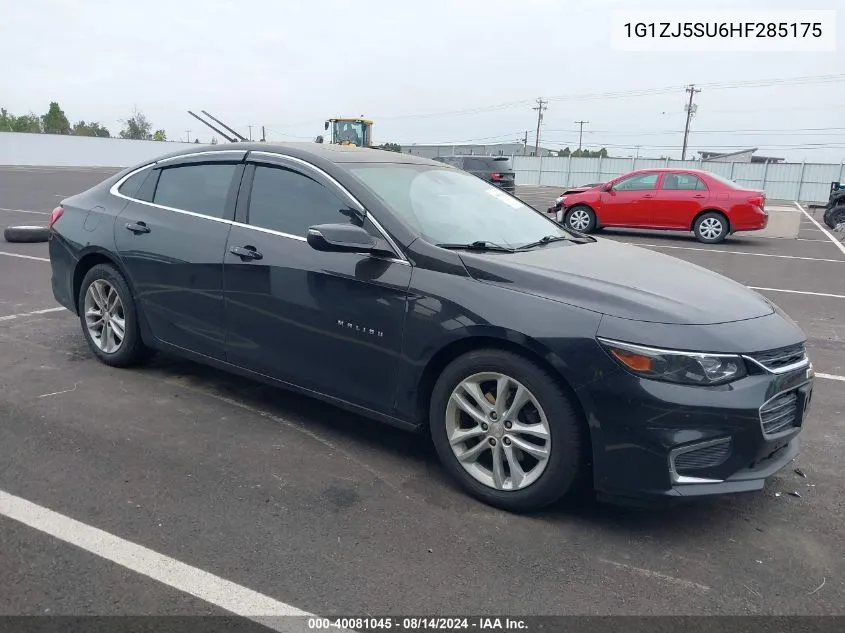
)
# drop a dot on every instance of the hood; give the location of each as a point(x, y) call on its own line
point(621, 280)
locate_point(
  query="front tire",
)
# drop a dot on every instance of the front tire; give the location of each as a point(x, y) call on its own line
point(711, 228)
point(506, 431)
point(581, 218)
point(835, 216)
point(109, 318)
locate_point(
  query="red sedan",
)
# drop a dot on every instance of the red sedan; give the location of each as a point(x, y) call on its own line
point(710, 206)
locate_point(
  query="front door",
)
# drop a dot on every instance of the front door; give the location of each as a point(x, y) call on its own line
point(329, 322)
point(680, 197)
point(630, 201)
point(172, 249)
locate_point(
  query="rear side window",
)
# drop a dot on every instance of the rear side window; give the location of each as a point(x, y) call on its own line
point(132, 185)
point(198, 188)
point(682, 182)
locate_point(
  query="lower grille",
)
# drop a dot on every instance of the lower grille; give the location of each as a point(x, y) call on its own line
point(780, 414)
point(705, 457)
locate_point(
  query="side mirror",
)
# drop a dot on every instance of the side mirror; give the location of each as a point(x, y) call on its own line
point(607, 187)
point(326, 126)
point(340, 238)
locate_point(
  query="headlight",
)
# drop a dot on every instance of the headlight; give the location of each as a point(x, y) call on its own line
point(689, 368)
point(561, 200)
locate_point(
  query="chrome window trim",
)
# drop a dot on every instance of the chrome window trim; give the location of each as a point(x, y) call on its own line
point(114, 191)
point(683, 479)
point(213, 152)
point(398, 251)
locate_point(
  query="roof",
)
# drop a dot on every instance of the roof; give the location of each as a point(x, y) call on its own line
point(332, 153)
point(706, 155)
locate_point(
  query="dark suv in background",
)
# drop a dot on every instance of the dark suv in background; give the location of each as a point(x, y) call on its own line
point(496, 170)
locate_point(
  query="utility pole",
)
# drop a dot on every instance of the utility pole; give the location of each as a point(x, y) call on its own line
point(581, 132)
point(541, 106)
point(690, 108)
point(250, 132)
point(263, 135)
point(525, 143)
point(188, 135)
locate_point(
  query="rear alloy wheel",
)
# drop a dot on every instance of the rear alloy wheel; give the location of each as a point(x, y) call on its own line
point(581, 218)
point(108, 317)
point(711, 228)
point(505, 430)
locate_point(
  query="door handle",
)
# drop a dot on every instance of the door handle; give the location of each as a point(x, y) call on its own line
point(648, 195)
point(246, 252)
point(699, 196)
point(137, 227)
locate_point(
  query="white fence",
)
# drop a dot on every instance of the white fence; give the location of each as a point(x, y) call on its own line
point(806, 182)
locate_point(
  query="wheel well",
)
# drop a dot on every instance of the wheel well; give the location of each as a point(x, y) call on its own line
point(722, 213)
point(449, 353)
point(85, 264)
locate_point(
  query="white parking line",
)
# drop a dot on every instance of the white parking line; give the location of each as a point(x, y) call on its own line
point(25, 211)
point(141, 560)
point(831, 377)
point(799, 292)
point(38, 259)
point(718, 250)
point(827, 233)
point(10, 317)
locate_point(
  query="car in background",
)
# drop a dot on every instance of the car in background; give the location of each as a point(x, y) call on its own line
point(560, 200)
point(536, 358)
point(496, 170)
point(710, 206)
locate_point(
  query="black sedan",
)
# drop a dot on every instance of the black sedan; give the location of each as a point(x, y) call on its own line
point(407, 290)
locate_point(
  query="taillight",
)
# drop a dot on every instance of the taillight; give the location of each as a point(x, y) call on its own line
point(495, 176)
point(758, 201)
point(55, 215)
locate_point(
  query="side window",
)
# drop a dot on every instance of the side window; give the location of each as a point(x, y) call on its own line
point(640, 182)
point(290, 202)
point(132, 185)
point(200, 188)
point(682, 182)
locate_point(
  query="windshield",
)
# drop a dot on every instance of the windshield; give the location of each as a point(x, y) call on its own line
point(350, 131)
point(448, 206)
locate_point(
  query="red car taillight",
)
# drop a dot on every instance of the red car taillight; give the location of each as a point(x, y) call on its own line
point(495, 176)
point(55, 215)
point(758, 201)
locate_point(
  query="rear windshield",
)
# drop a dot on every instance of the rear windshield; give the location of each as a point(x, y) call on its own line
point(493, 163)
point(723, 180)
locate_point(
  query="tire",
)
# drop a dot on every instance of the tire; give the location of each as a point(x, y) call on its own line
point(835, 216)
point(26, 234)
point(581, 216)
point(565, 459)
point(707, 224)
point(131, 350)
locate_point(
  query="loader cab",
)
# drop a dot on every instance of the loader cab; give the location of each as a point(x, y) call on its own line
point(350, 131)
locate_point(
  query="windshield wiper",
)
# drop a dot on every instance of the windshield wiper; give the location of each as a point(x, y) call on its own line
point(479, 245)
point(548, 239)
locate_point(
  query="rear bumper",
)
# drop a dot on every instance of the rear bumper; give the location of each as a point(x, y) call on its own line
point(753, 221)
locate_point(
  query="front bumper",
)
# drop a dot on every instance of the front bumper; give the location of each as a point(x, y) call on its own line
point(658, 441)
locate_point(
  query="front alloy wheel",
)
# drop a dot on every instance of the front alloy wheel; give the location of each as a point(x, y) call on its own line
point(498, 431)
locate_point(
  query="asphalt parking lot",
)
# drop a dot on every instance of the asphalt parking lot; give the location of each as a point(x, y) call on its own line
point(318, 510)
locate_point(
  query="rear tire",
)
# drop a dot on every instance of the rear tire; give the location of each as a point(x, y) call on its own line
point(109, 318)
point(517, 432)
point(581, 218)
point(26, 234)
point(711, 228)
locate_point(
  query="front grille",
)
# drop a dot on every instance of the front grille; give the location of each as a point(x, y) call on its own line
point(780, 414)
point(705, 457)
point(780, 358)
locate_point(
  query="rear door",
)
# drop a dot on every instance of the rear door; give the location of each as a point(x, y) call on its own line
point(680, 197)
point(172, 247)
point(329, 322)
point(630, 202)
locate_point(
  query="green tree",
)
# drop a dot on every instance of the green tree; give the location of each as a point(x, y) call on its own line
point(196, 140)
point(55, 121)
point(81, 128)
point(392, 147)
point(6, 120)
point(27, 123)
point(137, 127)
point(160, 135)
point(563, 152)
